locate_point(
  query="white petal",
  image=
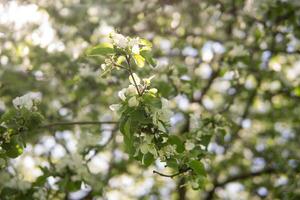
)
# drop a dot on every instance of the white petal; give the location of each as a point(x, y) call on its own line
point(135, 49)
point(121, 94)
point(115, 107)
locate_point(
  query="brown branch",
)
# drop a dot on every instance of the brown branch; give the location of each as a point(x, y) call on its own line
point(77, 123)
point(213, 76)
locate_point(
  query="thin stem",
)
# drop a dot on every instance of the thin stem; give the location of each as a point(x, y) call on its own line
point(120, 66)
point(77, 123)
point(131, 74)
point(171, 175)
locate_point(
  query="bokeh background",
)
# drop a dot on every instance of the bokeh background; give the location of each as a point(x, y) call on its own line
point(236, 58)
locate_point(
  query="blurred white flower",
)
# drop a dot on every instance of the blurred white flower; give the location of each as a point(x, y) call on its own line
point(28, 100)
point(119, 39)
point(189, 145)
point(134, 42)
point(135, 49)
point(103, 66)
point(121, 94)
point(115, 107)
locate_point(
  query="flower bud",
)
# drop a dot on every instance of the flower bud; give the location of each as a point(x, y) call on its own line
point(133, 102)
point(153, 90)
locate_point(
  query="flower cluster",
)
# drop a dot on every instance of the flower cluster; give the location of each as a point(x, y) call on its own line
point(27, 101)
point(148, 116)
point(126, 42)
point(16, 123)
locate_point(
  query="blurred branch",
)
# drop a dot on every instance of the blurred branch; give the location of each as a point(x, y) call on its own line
point(213, 76)
point(239, 177)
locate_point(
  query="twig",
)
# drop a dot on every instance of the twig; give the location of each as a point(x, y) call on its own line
point(77, 123)
point(171, 175)
point(131, 74)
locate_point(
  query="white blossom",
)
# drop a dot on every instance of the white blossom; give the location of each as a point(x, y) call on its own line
point(28, 100)
point(103, 66)
point(168, 151)
point(134, 42)
point(135, 49)
point(189, 145)
point(133, 102)
point(164, 114)
point(119, 39)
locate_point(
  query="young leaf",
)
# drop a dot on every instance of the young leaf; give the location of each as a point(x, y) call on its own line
point(176, 141)
point(101, 49)
point(128, 137)
point(139, 60)
point(145, 42)
point(148, 159)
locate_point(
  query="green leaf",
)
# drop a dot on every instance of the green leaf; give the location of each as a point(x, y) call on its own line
point(205, 139)
point(40, 181)
point(148, 57)
point(101, 50)
point(139, 116)
point(148, 159)
point(35, 119)
point(177, 141)
point(172, 163)
point(2, 129)
point(128, 137)
point(152, 101)
point(297, 91)
point(13, 149)
point(139, 60)
point(197, 167)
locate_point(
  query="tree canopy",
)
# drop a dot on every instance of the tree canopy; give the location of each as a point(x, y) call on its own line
point(158, 99)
